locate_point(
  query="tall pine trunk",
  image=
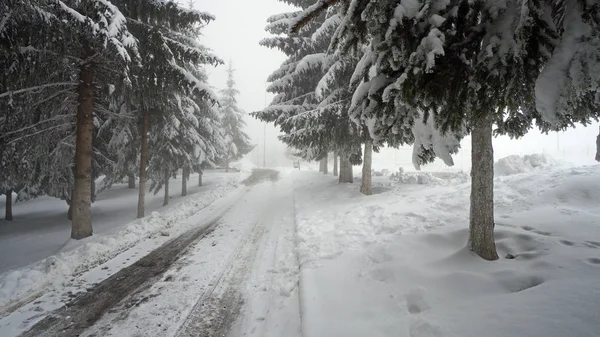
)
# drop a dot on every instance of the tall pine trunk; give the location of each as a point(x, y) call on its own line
point(321, 166)
point(143, 163)
point(81, 225)
point(131, 181)
point(335, 164)
point(200, 178)
point(365, 186)
point(184, 177)
point(481, 224)
point(325, 165)
point(8, 216)
point(166, 199)
point(346, 175)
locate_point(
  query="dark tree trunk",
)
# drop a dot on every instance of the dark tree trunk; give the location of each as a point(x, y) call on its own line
point(346, 175)
point(335, 164)
point(81, 225)
point(200, 178)
point(365, 186)
point(481, 224)
point(143, 163)
point(321, 166)
point(184, 177)
point(130, 181)
point(166, 199)
point(325, 165)
point(8, 216)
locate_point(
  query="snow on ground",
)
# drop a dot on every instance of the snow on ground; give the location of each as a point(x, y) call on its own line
point(250, 254)
point(271, 303)
point(395, 263)
point(43, 234)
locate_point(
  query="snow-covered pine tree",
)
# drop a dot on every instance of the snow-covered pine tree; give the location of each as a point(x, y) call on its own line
point(97, 34)
point(169, 33)
point(41, 60)
point(211, 131)
point(295, 81)
point(119, 132)
point(312, 99)
point(492, 53)
point(237, 141)
point(348, 74)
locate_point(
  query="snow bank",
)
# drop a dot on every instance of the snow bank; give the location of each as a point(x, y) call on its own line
point(398, 259)
point(22, 285)
point(521, 164)
point(430, 178)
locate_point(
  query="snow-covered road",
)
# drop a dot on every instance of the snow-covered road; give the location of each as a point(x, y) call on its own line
point(239, 276)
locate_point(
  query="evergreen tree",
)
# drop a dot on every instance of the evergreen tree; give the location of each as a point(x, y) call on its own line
point(294, 82)
point(168, 33)
point(46, 48)
point(237, 142)
point(312, 99)
point(51, 54)
point(462, 67)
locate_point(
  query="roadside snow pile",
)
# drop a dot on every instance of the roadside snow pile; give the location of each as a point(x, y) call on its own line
point(398, 259)
point(22, 285)
point(431, 178)
point(521, 164)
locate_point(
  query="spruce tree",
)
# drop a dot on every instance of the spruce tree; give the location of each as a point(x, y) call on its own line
point(237, 142)
point(312, 99)
point(491, 54)
point(169, 33)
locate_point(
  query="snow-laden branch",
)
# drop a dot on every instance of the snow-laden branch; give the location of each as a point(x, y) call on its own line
point(38, 132)
point(55, 118)
point(31, 49)
point(37, 87)
point(315, 112)
point(309, 14)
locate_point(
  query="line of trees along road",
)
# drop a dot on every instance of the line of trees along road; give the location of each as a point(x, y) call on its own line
point(113, 89)
point(428, 73)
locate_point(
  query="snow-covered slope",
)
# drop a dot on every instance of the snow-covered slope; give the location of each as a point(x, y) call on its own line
point(395, 263)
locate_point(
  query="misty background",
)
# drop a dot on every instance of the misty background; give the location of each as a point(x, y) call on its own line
point(235, 36)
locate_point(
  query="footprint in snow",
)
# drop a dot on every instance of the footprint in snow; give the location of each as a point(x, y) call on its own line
point(593, 260)
point(566, 243)
point(592, 244)
point(415, 301)
point(533, 230)
point(420, 328)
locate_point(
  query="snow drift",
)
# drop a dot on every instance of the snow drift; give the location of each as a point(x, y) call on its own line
point(521, 164)
point(396, 263)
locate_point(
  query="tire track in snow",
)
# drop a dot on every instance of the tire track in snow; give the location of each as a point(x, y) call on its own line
point(217, 308)
point(87, 308)
point(270, 294)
